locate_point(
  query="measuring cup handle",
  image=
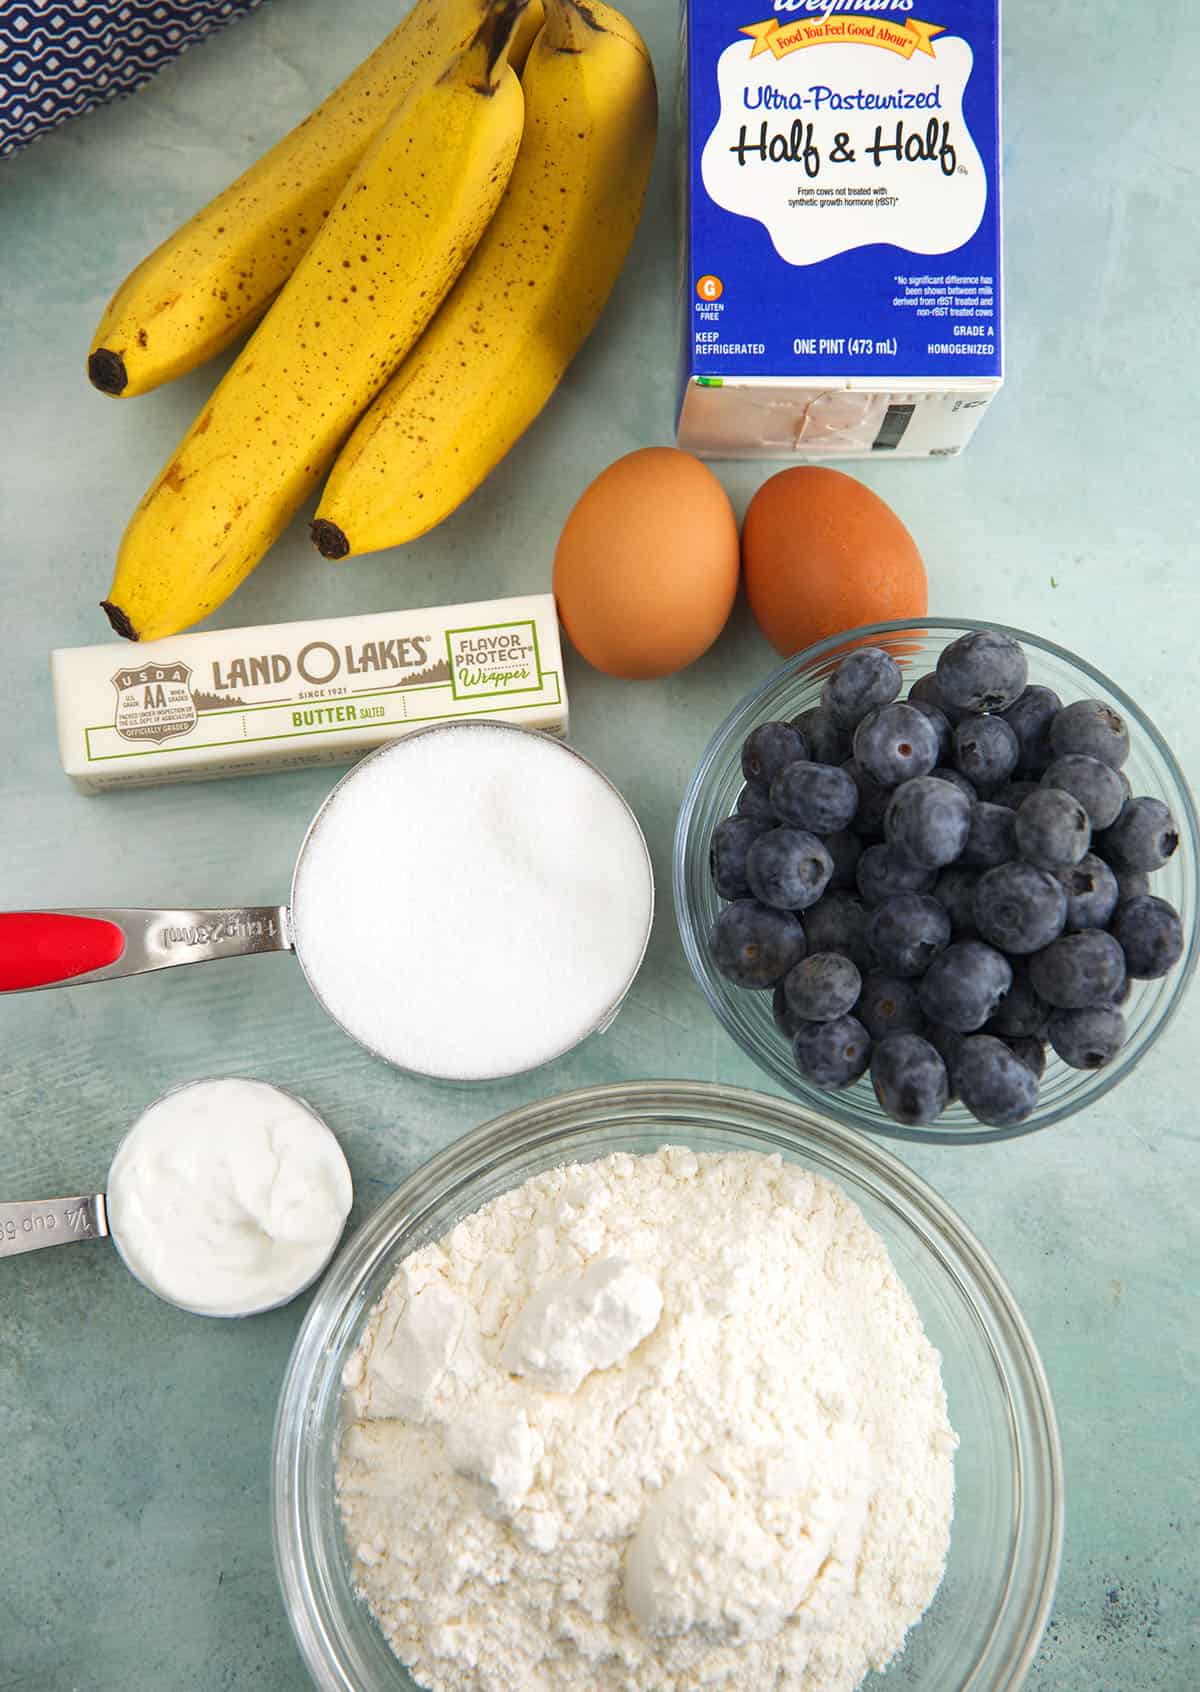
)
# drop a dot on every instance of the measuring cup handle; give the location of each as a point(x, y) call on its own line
point(63, 947)
point(31, 1224)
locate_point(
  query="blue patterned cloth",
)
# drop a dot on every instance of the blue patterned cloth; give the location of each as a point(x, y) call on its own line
point(58, 58)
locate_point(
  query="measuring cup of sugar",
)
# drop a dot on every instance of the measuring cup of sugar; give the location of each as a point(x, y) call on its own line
point(226, 1198)
point(469, 902)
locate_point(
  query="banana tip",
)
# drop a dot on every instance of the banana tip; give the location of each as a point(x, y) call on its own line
point(106, 371)
point(119, 620)
point(329, 540)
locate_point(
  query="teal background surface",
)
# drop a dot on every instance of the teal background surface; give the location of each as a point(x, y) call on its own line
point(134, 1547)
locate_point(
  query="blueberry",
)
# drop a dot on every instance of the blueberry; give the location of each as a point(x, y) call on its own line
point(827, 743)
point(943, 772)
point(873, 800)
point(1029, 717)
point(866, 678)
point(769, 748)
point(983, 671)
point(788, 868)
point(1053, 830)
point(731, 840)
point(1020, 908)
point(1150, 933)
point(1087, 1039)
point(896, 743)
point(1030, 1049)
point(845, 849)
point(1078, 970)
point(909, 1079)
point(1020, 1013)
point(1013, 794)
point(1098, 787)
point(963, 986)
point(947, 1044)
point(755, 946)
point(824, 985)
point(927, 691)
point(996, 1086)
point(832, 1054)
point(985, 750)
point(1143, 837)
point(888, 1005)
point(756, 802)
point(1093, 728)
point(1130, 883)
point(955, 889)
point(838, 923)
point(992, 836)
point(883, 872)
point(941, 723)
point(786, 1023)
point(907, 932)
point(1092, 893)
point(819, 797)
point(928, 821)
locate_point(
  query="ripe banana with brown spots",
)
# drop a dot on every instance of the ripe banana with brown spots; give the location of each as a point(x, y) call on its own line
point(530, 296)
point(404, 227)
point(215, 276)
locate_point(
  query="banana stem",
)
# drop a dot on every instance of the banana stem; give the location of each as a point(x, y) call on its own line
point(568, 25)
point(488, 48)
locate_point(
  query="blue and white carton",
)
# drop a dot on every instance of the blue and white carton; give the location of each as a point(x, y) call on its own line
point(842, 244)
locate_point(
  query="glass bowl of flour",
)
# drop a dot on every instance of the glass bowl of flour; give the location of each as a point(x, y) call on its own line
point(393, 1513)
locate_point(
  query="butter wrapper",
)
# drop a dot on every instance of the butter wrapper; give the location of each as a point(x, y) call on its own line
point(233, 702)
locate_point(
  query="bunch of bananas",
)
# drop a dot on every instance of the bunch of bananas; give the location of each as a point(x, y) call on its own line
point(430, 249)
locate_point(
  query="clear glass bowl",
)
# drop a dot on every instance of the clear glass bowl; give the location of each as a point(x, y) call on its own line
point(712, 794)
point(982, 1631)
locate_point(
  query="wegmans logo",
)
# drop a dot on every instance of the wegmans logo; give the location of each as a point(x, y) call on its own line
point(826, 8)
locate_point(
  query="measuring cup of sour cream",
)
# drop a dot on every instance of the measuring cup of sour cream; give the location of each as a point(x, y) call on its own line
point(227, 1197)
point(470, 902)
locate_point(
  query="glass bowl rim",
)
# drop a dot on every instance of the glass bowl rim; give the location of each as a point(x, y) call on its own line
point(745, 709)
point(473, 1156)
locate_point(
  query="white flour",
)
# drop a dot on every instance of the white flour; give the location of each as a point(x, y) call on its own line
point(650, 1424)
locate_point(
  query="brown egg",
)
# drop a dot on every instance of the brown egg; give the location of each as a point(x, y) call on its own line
point(646, 569)
point(822, 553)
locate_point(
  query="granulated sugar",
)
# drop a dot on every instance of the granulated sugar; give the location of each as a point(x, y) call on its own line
point(473, 901)
point(649, 1424)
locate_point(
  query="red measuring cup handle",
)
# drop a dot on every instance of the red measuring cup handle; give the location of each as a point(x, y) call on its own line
point(39, 948)
point(49, 948)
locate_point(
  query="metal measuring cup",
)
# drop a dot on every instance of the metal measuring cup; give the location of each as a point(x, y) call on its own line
point(33, 1224)
point(68, 947)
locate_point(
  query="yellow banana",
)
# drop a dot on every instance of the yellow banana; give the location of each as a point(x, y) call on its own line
point(384, 259)
point(215, 276)
point(525, 34)
point(539, 279)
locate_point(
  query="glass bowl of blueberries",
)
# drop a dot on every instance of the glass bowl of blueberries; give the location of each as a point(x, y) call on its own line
point(940, 880)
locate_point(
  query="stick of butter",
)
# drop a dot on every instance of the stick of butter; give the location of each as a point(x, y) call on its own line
point(238, 701)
